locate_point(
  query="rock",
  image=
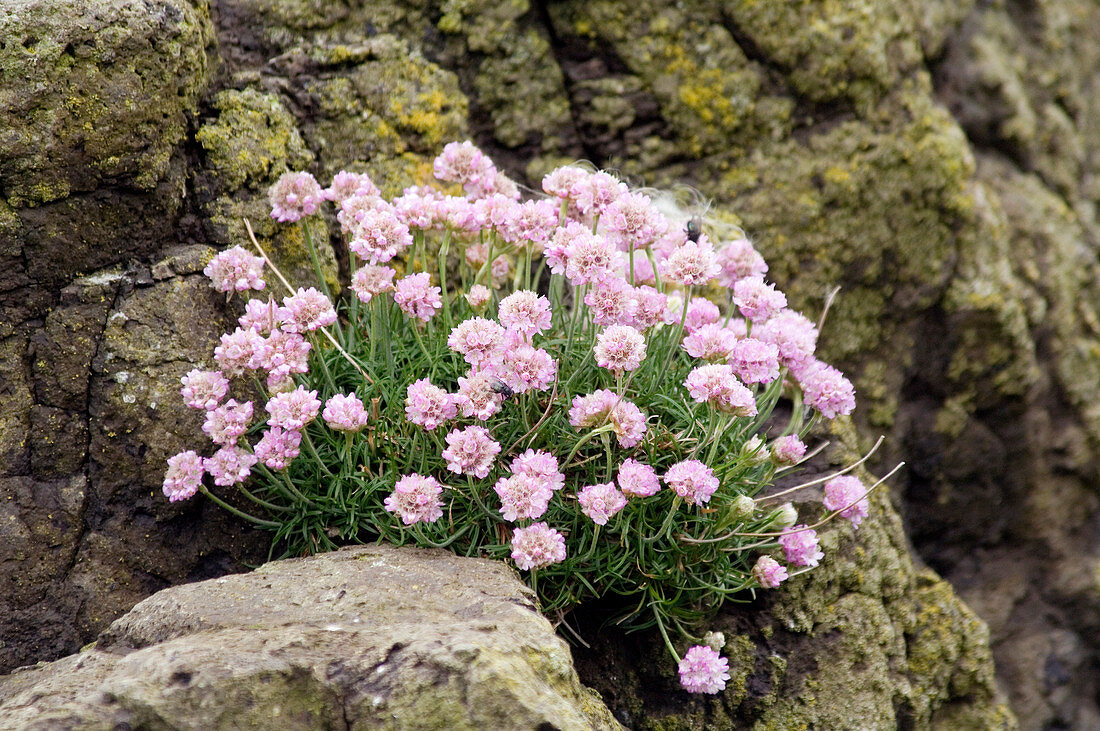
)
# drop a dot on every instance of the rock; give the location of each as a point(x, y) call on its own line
point(369, 637)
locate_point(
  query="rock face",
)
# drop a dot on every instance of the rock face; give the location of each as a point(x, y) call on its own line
point(369, 637)
point(938, 160)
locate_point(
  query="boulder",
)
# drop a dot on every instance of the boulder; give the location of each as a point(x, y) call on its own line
point(367, 637)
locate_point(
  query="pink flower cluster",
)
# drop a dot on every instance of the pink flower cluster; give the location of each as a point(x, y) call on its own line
point(703, 670)
point(606, 407)
point(537, 546)
point(848, 495)
point(235, 270)
point(416, 499)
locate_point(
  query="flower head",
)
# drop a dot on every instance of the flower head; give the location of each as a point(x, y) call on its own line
point(235, 270)
point(465, 164)
point(294, 196)
point(478, 340)
point(637, 479)
point(631, 221)
point(540, 465)
point(739, 260)
point(559, 182)
point(428, 405)
point(755, 361)
point(370, 280)
point(847, 492)
point(293, 409)
point(237, 351)
point(531, 223)
point(756, 300)
point(788, 450)
point(281, 354)
point(305, 310)
point(611, 302)
point(692, 480)
point(261, 316)
point(768, 572)
point(471, 451)
point(588, 257)
point(229, 465)
point(649, 307)
point(478, 296)
point(800, 546)
point(379, 235)
point(525, 312)
point(204, 389)
point(711, 342)
point(277, 447)
point(601, 407)
point(595, 192)
point(416, 499)
point(525, 368)
point(827, 390)
point(691, 264)
point(600, 502)
point(417, 297)
point(793, 334)
point(701, 311)
point(227, 423)
point(345, 412)
point(523, 496)
point(184, 476)
point(536, 546)
point(345, 185)
point(620, 348)
point(703, 670)
point(476, 396)
point(718, 386)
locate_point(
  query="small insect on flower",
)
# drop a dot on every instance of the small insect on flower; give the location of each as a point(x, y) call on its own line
point(693, 229)
point(501, 387)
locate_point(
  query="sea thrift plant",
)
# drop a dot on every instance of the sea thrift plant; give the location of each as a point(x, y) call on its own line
point(582, 384)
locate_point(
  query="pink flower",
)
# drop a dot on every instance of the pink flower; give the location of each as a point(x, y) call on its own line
point(692, 264)
point(788, 450)
point(281, 354)
point(542, 466)
point(827, 390)
point(229, 465)
point(739, 260)
point(603, 407)
point(692, 480)
point(478, 340)
point(755, 361)
point(417, 207)
point(471, 451)
point(619, 348)
point(379, 235)
point(526, 368)
point(800, 546)
point(532, 222)
point(536, 546)
point(306, 309)
point(522, 497)
point(847, 492)
point(588, 257)
point(204, 389)
point(756, 300)
point(478, 296)
point(263, 317)
point(631, 221)
point(600, 502)
point(277, 447)
point(227, 423)
point(416, 499)
point(637, 479)
point(701, 311)
point(559, 182)
point(525, 312)
point(649, 307)
point(594, 192)
point(235, 270)
point(793, 334)
point(718, 386)
point(612, 302)
point(428, 405)
point(370, 280)
point(293, 196)
point(556, 251)
point(183, 477)
point(237, 351)
point(768, 572)
point(476, 396)
point(357, 208)
point(345, 185)
point(711, 342)
point(417, 297)
point(703, 670)
point(465, 164)
point(345, 412)
point(293, 409)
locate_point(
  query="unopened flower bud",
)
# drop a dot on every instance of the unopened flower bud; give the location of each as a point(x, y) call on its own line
point(743, 507)
point(714, 640)
point(785, 516)
point(755, 451)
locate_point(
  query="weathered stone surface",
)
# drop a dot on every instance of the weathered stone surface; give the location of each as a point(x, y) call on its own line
point(370, 637)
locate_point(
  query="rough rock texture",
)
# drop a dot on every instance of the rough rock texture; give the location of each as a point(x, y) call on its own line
point(938, 160)
point(370, 637)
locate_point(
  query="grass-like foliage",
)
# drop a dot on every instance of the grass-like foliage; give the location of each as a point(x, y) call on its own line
point(582, 383)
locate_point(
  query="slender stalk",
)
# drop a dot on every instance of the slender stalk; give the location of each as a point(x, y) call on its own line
point(239, 513)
